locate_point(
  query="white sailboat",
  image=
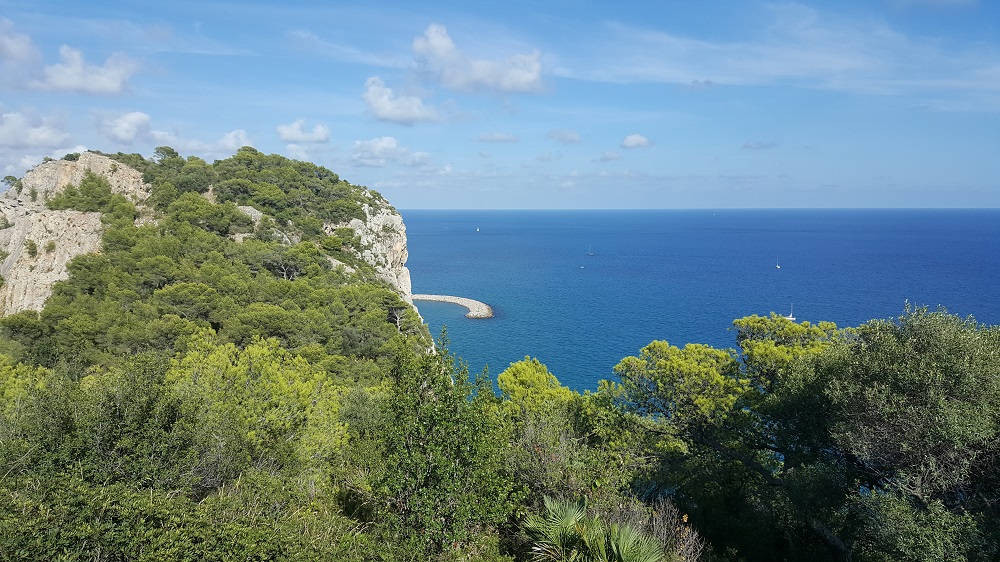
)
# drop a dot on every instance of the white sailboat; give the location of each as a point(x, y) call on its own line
point(776, 266)
point(791, 311)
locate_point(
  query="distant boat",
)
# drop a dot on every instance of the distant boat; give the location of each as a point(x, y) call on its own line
point(590, 251)
point(791, 311)
point(477, 229)
point(776, 263)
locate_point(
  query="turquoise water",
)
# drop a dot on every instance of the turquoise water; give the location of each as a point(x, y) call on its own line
point(684, 276)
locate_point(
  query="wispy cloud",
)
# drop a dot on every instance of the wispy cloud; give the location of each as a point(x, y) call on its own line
point(497, 137)
point(759, 145)
point(438, 57)
point(608, 156)
point(796, 45)
point(309, 41)
point(386, 105)
point(295, 132)
point(565, 136)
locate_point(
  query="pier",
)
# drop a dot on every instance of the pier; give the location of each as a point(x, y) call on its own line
point(476, 309)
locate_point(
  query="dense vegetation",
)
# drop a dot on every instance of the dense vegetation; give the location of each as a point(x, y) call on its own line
point(209, 387)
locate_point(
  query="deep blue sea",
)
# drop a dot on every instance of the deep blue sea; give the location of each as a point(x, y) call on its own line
point(580, 290)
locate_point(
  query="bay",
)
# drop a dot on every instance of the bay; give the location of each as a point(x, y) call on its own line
point(580, 290)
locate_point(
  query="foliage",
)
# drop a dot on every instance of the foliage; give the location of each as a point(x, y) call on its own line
point(441, 484)
point(836, 442)
point(565, 532)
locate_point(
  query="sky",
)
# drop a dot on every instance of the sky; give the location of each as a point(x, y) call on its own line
point(518, 105)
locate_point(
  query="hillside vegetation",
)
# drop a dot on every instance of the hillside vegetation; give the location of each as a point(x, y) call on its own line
point(220, 385)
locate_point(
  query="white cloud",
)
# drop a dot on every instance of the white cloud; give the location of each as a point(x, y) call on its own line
point(234, 140)
point(759, 145)
point(75, 75)
point(229, 142)
point(313, 43)
point(439, 57)
point(295, 132)
point(497, 137)
point(18, 130)
point(127, 127)
point(608, 156)
point(635, 140)
point(16, 47)
point(297, 152)
point(565, 136)
point(385, 105)
point(383, 151)
point(136, 127)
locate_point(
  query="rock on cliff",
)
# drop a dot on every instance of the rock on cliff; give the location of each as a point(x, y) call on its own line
point(383, 243)
point(39, 242)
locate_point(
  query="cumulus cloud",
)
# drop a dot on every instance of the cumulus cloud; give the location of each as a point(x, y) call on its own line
point(127, 127)
point(608, 156)
point(383, 151)
point(297, 152)
point(385, 105)
point(565, 136)
point(497, 137)
point(75, 75)
point(439, 57)
point(136, 127)
point(18, 130)
point(759, 145)
point(295, 132)
point(635, 140)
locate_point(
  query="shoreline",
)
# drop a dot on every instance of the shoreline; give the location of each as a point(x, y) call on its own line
point(476, 308)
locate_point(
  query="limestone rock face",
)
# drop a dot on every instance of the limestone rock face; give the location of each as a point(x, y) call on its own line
point(54, 237)
point(383, 245)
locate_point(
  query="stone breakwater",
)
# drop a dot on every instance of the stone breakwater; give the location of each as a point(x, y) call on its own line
point(476, 309)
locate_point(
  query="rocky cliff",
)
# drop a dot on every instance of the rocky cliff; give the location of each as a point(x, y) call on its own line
point(383, 243)
point(37, 243)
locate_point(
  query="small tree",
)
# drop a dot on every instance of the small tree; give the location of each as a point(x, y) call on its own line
point(31, 248)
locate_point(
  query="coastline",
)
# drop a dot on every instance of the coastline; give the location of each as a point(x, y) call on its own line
point(476, 308)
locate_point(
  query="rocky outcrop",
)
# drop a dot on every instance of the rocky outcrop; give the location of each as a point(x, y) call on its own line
point(383, 244)
point(40, 242)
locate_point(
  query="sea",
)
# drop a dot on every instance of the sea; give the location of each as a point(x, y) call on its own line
point(580, 290)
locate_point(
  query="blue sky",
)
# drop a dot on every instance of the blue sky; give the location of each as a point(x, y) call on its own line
point(557, 104)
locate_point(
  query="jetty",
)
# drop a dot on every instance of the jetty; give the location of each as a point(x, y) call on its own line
point(476, 309)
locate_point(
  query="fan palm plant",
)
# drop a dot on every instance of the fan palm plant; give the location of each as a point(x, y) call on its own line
point(564, 533)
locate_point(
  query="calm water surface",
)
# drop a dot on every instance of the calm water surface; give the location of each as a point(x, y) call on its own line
point(579, 290)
